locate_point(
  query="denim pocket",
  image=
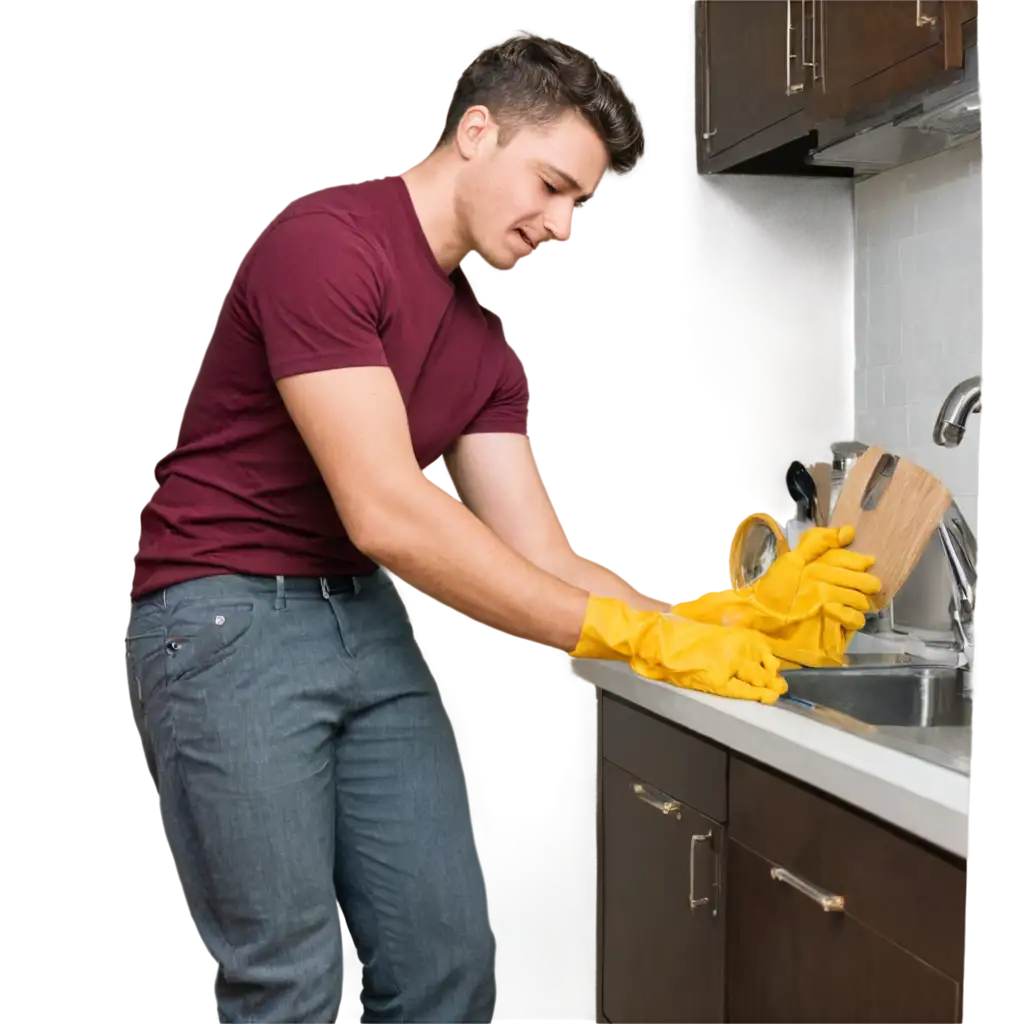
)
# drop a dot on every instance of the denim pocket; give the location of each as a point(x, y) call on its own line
point(200, 634)
point(146, 662)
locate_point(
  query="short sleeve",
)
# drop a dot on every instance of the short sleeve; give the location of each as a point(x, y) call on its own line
point(315, 289)
point(506, 409)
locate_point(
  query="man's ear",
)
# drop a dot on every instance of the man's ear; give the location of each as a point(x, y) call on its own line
point(476, 132)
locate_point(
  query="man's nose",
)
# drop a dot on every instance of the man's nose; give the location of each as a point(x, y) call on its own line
point(558, 222)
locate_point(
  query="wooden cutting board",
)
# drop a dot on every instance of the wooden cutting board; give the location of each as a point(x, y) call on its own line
point(895, 506)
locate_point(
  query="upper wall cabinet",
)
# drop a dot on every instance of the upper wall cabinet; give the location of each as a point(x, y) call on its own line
point(872, 51)
point(750, 91)
point(779, 82)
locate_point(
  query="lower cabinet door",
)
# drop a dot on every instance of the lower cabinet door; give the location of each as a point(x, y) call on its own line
point(662, 915)
point(788, 959)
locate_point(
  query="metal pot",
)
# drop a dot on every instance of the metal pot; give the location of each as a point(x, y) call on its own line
point(844, 456)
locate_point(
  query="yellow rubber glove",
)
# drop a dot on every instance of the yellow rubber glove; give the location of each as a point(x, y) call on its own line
point(822, 639)
point(814, 578)
point(697, 656)
point(817, 574)
point(817, 642)
point(809, 603)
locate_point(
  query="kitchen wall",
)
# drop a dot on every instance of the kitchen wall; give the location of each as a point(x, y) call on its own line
point(918, 309)
point(625, 437)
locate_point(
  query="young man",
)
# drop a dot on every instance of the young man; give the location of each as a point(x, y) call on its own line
point(299, 744)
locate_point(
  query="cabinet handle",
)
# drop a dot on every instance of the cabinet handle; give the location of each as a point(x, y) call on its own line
point(803, 33)
point(821, 42)
point(660, 802)
point(813, 62)
point(828, 901)
point(694, 840)
point(708, 131)
point(923, 20)
point(790, 55)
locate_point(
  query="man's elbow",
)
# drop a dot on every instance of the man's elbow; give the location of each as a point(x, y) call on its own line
point(381, 529)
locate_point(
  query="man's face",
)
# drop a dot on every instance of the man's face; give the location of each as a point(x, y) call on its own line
point(511, 198)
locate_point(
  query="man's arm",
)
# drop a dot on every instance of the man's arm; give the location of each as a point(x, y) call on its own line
point(353, 422)
point(497, 478)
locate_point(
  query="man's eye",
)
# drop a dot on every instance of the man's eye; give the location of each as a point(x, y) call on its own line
point(551, 188)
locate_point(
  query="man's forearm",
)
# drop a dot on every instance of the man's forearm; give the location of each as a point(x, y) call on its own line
point(572, 569)
point(602, 582)
point(438, 546)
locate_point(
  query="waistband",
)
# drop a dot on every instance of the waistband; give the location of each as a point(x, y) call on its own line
point(279, 587)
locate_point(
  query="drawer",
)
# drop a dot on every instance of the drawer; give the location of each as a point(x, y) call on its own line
point(669, 757)
point(908, 892)
point(788, 961)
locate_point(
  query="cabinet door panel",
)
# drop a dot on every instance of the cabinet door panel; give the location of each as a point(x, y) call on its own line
point(746, 68)
point(789, 960)
point(662, 959)
point(893, 884)
point(865, 37)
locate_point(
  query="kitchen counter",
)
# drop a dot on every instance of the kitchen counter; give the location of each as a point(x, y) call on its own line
point(925, 799)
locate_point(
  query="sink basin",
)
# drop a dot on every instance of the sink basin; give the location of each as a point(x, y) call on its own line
point(908, 696)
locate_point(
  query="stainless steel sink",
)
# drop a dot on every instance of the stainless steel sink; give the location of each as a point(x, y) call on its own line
point(920, 709)
point(902, 695)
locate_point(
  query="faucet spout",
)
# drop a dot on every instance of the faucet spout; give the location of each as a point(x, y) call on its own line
point(951, 422)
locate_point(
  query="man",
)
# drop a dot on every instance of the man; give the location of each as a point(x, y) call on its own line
point(299, 744)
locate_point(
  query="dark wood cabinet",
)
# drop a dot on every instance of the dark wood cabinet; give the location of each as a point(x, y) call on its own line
point(773, 75)
point(663, 922)
point(790, 961)
point(865, 37)
point(873, 51)
point(833, 916)
point(896, 885)
point(729, 891)
point(748, 86)
point(661, 919)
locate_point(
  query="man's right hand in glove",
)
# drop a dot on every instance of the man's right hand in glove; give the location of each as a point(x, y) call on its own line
point(697, 656)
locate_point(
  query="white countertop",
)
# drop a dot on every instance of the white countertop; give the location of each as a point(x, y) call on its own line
point(925, 799)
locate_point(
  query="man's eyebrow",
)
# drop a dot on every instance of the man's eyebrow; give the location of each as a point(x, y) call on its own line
point(566, 179)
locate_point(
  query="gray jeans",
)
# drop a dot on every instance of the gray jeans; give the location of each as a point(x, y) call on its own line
point(304, 760)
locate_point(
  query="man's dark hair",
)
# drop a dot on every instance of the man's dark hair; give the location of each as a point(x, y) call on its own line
point(532, 81)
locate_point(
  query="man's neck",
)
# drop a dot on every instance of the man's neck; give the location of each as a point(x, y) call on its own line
point(431, 186)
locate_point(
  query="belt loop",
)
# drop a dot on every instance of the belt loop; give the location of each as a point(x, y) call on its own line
point(357, 585)
point(324, 588)
point(163, 597)
point(279, 601)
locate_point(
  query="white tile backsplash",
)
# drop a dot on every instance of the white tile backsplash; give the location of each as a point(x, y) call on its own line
point(917, 309)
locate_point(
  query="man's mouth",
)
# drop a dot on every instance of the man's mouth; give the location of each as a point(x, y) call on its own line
point(526, 238)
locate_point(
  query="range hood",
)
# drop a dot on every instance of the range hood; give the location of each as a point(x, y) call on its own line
point(919, 126)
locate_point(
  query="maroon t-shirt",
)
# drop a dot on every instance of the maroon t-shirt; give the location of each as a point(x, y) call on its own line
point(342, 277)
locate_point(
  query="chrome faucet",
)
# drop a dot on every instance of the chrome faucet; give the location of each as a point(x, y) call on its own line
point(961, 550)
point(951, 423)
point(958, 542)
point(957, 548)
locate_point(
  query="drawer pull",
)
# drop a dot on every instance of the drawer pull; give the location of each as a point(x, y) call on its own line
point(660, 802)
point(694, 840)
point(828, 901)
